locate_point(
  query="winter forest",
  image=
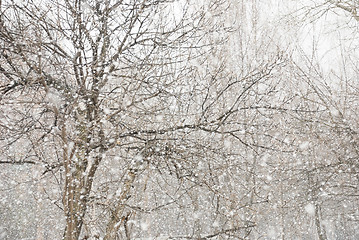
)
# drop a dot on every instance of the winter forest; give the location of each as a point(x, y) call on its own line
point(179, 119)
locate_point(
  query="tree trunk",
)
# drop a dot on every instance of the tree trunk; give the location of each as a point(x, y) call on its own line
point(76, 194)
point(80, 172)
point(320, 229)
point(75, 203)
point(117, 215)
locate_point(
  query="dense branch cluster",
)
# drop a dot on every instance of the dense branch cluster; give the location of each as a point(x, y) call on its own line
point(173, 119)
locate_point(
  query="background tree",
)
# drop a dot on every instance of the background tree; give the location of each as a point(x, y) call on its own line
point(324, 71)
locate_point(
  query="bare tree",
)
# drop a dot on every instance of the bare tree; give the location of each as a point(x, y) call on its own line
point(318, 179)
point(112, 96)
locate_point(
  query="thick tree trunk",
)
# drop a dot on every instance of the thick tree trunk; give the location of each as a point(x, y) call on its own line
point(80, 172)
point(78, 184)
point(75, 206)
point(76, 194)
